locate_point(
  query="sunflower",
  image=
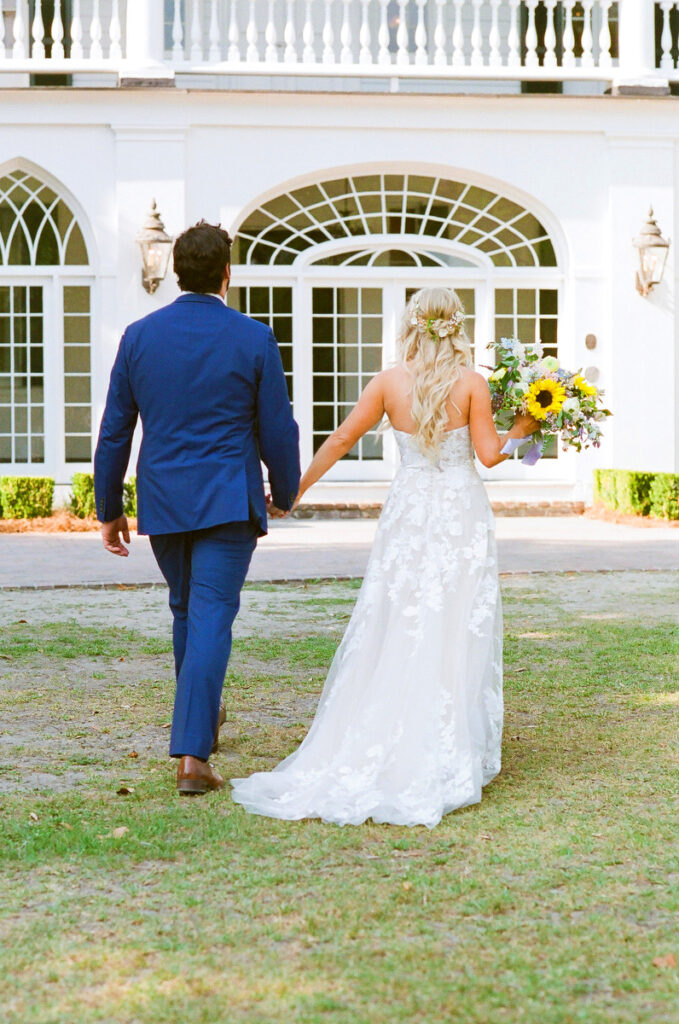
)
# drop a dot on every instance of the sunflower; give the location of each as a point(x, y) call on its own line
point(545, 396)
point(583, 385)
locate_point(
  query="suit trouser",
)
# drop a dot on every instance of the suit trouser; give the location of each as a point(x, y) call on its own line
point(205, 571)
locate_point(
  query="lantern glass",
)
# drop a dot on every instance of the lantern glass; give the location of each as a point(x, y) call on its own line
point(653, 259)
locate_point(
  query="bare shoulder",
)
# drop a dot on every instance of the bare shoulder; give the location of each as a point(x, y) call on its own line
point(393, 378)
point(475, 381)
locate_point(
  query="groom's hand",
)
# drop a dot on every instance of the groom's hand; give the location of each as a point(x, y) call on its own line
point(273, 510)
point(110, 535)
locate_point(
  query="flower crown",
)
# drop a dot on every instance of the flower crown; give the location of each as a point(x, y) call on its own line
point(437, 329)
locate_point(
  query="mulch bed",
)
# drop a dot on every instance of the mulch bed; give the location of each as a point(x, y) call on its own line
point(625, 519)
point(61, 521)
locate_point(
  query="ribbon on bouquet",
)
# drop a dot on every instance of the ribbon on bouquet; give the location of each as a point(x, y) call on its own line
point(532, 455)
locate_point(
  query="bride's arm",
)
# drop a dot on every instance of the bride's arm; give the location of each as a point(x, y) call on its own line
point(367, 412)
point(485, 438)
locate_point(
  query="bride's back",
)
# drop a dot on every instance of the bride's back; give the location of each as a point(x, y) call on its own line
point(398, 387)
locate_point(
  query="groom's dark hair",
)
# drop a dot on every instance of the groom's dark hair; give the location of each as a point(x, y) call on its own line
point(201, 255)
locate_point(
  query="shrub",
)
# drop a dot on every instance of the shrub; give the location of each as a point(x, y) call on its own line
point(641, 494)
point(82, 502)
point(664, 495)
point(130, 497)
point(632, 491)
point(26, 497)
point(604, 488)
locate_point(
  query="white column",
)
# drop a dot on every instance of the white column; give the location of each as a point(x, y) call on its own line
point(636, 30)
point(145, 43)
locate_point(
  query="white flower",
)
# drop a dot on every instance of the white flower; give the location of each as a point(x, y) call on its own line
point(571, 405)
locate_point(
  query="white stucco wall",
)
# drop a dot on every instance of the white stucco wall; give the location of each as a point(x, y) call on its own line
point(589, 167)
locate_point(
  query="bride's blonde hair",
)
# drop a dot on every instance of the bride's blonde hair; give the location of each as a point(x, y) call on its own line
point(433, 345)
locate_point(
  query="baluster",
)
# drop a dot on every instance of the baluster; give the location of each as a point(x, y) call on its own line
point(38, 33)
point(402, 55)
point(568, 59)
point(309, 55)
point(76, 32)
point(513, 38)
point(365, 49)
point(666, 61)
point(421, 55)
point(494, 57)
point(2, 33)
point(196, 34)
point(270, 38)
point(587, 36)
point(458, 36)
point(234, 34)
point(214, 36)
point(550, 35)
point(605, 59)
point(289, 34)
point(531, 36)
point(328, 35)
point(19, 32)
point(96, 52)
point(383, 55)
point(346, 56)
point(477, 36)
point(252, 36)
point(115, 51)
point(440, 56)
point(177, 33)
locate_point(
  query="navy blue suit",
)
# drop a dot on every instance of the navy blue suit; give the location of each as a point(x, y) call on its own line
point(209, 387)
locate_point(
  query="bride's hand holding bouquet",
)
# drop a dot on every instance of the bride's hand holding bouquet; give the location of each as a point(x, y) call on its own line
point(526, 383)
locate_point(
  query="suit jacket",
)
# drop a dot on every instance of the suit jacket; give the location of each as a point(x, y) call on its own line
point(209, 386)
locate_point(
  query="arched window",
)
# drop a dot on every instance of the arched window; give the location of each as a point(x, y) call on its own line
point(330, 264)
point(45, 329)
point(394, 204)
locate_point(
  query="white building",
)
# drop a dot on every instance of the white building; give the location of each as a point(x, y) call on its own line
point(358, 149)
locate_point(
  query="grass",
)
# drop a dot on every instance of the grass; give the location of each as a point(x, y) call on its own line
point(547, 903)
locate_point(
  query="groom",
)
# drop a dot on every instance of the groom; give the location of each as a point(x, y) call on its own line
point(209, 387)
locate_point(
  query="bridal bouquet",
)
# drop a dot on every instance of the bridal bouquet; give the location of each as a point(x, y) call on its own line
point(565, 403)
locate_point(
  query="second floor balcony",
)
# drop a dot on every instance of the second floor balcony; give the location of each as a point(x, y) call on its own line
point(389, 45)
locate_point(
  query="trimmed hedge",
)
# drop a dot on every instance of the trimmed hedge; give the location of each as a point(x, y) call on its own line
point(26, 497)
point(665, 495)
point(83, 503)
point(641, 494)
point(130, 497)
point(82, 495)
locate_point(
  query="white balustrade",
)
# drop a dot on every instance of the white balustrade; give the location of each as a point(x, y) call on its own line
point(530, 39)
point(666, 40)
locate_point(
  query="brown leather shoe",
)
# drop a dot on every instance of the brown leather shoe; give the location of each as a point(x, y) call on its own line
point(220, 723)
point(195, 777)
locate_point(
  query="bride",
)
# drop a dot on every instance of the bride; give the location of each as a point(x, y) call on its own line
point(409, 724)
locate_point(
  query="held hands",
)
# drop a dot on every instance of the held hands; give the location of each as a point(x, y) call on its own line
point(273, 510)
point(110, 535)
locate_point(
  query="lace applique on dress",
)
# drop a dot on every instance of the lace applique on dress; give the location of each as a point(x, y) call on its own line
point(409, 724)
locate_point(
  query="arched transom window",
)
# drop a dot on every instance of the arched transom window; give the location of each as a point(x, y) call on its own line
point(37, 228)
point(45, 329)
point(330, 265)
point(433, 208)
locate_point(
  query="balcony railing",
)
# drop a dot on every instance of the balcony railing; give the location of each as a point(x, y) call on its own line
point(523, 40)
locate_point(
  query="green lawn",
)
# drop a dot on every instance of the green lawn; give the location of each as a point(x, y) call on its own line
point(548, 903)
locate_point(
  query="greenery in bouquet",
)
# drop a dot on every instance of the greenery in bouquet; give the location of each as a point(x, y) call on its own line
point(525, 380)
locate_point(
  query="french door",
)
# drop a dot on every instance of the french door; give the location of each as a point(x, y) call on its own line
point(354, 327)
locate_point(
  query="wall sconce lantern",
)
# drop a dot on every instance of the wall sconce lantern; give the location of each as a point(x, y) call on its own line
point(156, 247)
point(653, 250)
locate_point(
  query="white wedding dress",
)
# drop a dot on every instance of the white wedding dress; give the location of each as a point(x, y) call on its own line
point(409, 724)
